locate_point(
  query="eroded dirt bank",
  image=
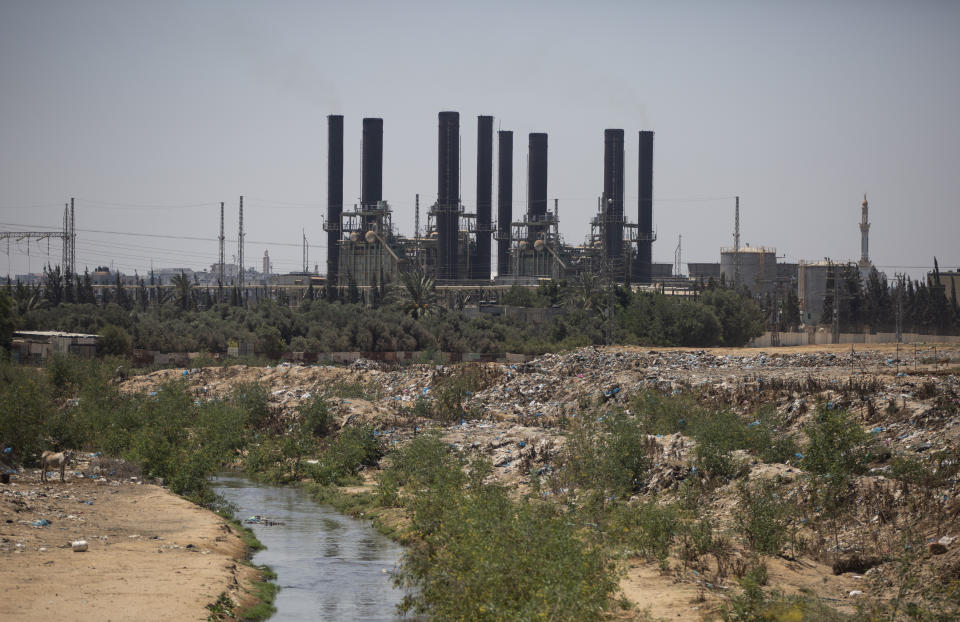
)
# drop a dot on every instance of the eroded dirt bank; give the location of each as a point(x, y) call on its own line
point(152, 555)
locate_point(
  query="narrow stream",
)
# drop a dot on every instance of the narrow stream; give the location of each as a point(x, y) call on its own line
point(329, 566)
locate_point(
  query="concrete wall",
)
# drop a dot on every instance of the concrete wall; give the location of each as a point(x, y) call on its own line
point(825, 337)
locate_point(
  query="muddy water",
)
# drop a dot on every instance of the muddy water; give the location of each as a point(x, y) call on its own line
point(329, 566)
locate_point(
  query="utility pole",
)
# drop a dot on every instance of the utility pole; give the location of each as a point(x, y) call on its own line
point(73, 239)
point(220, 266)
point(306, 253)
point(66, 237)
point(899, 308)
point(240, 241)
point(416, 228)
point(736, 244)
point(835, 328)
point(677, 256)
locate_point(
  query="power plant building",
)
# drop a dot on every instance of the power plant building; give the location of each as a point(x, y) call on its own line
point(456, 246)
point(754, 267)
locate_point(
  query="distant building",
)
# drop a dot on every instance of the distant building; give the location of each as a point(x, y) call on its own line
point(34, 347)
point(705, 271)
point(661, 271)
point(230, 272)
point(164, 276)
point(33, 278)
point(752, 266)
point(102, 276)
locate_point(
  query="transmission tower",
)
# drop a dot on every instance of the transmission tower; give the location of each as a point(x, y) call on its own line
point(68, 235)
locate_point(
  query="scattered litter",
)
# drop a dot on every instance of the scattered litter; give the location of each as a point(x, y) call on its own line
point(262, 520)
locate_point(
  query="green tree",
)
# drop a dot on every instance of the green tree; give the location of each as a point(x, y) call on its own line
point(27, 299)
point(53, 284)
point(114, 340)
point(740, 317)
point(121, 297)
point(420, 294)
point(8, 320)
point(183, 288)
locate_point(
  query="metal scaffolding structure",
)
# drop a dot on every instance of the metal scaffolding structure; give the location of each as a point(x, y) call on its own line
point(68, 235)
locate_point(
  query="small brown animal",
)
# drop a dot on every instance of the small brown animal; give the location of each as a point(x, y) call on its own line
point(53, 460)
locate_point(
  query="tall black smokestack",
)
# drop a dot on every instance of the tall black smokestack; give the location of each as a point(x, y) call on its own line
point(645, 209)
point(613, 194)
point(448, 194)
point(334, 194)
point(371, 174)
point(504, 201)
point(537, 184)
point(481, 267)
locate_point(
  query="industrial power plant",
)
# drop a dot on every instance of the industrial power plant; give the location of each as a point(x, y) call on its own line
point(455, 245)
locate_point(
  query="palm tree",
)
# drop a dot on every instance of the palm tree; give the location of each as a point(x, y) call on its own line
point(421, 294)
point(27, 298)
point(183, 288)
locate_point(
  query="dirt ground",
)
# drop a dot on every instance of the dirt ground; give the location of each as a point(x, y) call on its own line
point(152, 555)
point(151, 551)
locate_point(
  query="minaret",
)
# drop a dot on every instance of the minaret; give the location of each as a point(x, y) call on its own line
point(864, 235)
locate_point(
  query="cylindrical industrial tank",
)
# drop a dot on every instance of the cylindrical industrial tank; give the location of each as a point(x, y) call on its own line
point(758, 268)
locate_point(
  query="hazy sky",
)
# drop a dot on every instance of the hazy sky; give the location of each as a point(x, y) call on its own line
point(151, 113)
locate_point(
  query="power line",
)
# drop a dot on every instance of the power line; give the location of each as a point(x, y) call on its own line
point(166, 236)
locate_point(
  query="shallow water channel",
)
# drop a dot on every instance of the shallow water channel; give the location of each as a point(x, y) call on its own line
point(329, 566)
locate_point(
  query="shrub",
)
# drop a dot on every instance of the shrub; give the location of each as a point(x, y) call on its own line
point(762, 517)
point(315, 416)
point(485, 556)
point(649, 528)
point(25, 408)
point(609, 457)
point(355, 447)
point(251, 398)
point(450, 389)
point(66, 373)
point(837, 446)
point(767, 436)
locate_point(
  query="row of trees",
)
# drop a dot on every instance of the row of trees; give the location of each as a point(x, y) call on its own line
point(407, 316)
point(875, 304)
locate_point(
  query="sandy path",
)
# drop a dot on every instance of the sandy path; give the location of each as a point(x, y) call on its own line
point(152, 555)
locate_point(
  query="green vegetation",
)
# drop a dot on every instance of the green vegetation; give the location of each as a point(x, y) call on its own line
point(452, 387)
point(168, 434)
point(762, 517)
point(407, 318)
point(265, 591)
point(481, 555)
